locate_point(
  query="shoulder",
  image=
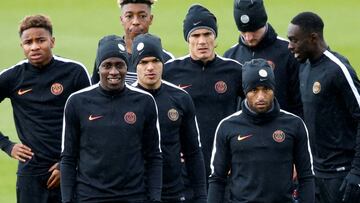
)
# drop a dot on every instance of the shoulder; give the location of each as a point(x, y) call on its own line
point(179, 60)
point(231, 50)
point(85, 92)
point(69, 63)
point(291, 118)
point(15, 67)
point(167, 55)
point(229, 61)
point(176, 91)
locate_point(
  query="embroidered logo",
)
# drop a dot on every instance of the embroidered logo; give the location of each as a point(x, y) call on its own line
point(22, 92)
point(173, 114)
point(279, 136)
point(316, 87)
point(244, 19)
point(91, 117)
point(184, 86)
point(130, 117)
point(56, 88)
point(263, 73)
point(220, 87)
point(241, 138)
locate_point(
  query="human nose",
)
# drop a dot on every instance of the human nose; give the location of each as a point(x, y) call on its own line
point(136, 20)
point(113, 70)
point(248, 36)
point(34, 46)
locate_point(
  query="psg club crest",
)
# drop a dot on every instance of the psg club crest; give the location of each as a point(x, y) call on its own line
point(279, 136)
point(56, 88)
point(173, 114)
point(130, 118)
point(220, 87)
point(316, 87)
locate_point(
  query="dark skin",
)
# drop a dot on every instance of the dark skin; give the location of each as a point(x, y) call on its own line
point(305, 45)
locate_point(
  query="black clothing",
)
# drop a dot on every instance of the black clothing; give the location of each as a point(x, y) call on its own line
point(286, 69)
point(259, 151)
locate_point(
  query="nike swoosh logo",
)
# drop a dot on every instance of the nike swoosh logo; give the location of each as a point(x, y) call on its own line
point(22, 92)
point(197, 23)
point(241, 138)
point(184, 86)
point(91, 117)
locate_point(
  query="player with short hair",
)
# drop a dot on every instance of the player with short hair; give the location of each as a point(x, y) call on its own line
point(330, 95)
point(38, 88)
point(136, 18)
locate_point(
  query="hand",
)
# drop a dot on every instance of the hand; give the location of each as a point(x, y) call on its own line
point(21, 152)
point(54, 179)
point(351, 188)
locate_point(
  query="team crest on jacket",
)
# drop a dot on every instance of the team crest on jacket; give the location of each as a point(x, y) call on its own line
point(173, 114)
point(278, 136)
point(316, 87)
point(220, 87)
point(130, 117)
point(56, 88)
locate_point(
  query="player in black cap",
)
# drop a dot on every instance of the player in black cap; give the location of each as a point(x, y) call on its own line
point(178, 125)
point(259, 145)
point(330, 93)
point(38, 88)
point(136, 19)
point(258, 39)
point(111, 150)
point(213, 82)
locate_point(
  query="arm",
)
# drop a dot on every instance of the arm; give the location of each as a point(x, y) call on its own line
point(220, 166)
point(190, 144)
point(152, 153)
point(294, 95)
point(5, 144)
point(69, 154)
point(303, 164)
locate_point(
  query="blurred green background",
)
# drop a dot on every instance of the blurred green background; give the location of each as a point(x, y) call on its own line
point(79, 24)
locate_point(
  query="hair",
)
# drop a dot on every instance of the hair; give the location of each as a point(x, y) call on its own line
point(35, 21)
point(123, 2)
point(309, 22)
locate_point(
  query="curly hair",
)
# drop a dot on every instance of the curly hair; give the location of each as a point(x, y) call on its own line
point(35, 21)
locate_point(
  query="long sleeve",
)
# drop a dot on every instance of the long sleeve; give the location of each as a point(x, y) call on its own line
point(190, 143)
point(69, 155)
point(294, 96)
point(303, 164)
point(5, 144)
point(152, 154)
point(220, 166)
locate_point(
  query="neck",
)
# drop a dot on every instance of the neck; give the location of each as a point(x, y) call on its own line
point(319, 50)
point(128, 43)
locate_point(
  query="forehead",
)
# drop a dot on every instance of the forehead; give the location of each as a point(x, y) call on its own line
point(135, 8)
point(294, 30)
point(113, 60)
point(148, 58)
point(201, 31)
point(35, 32)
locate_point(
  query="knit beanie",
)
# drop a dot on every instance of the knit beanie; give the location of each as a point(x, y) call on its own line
point(199, 17)
point(146, 45)
point(249, 15)
point(257, 72)
point(111, 46)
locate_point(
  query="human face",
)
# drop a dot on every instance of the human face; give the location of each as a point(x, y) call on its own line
point(299, 43)
point(112, 73)
point(253, 38)
point(202, 45)
point(149, 72)
point(136, 19)
point(37, 44)
point(260, 99)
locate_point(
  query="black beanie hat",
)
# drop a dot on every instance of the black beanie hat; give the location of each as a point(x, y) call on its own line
point(111, 46)
point(257, 72)
point(123, 2)
point(199, 17)
point(146, 45)
point(249, 15)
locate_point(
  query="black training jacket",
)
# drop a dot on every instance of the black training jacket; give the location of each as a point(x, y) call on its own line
point(38, 98)
point(215, 88)
point(111, 147)
point(330, 94)
point(286, 68)
point(179, 133)
point(258, 152)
